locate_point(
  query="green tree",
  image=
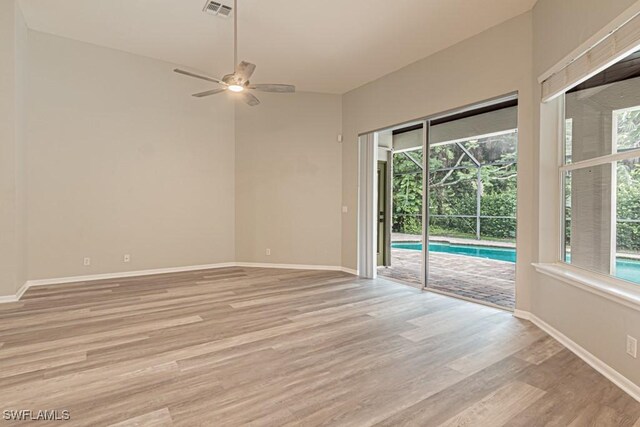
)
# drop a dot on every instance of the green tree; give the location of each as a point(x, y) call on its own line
point(453, 188)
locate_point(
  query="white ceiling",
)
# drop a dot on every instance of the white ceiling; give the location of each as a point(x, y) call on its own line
point(321, 46)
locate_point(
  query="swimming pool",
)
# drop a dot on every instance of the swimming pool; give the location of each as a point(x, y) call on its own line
point(625, 268)
point(501, 254)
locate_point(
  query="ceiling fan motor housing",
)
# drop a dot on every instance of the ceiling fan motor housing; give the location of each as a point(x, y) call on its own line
point(233, 79)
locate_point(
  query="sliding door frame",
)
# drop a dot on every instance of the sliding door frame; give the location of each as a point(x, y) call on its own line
point(367, 207)
point(367, 234)
point(425, 203)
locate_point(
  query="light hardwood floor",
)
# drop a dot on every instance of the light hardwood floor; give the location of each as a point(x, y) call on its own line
point(241, 346)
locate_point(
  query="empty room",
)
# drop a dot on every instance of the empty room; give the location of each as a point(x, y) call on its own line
point(348, 213)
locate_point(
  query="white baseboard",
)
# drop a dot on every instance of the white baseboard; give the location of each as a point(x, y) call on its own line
point(8, 298)
point(16, 297)
point(631, 388)
point(288, 266)
point(22, 290)
point(92, 277)
point(521, 314)
point(297, 266)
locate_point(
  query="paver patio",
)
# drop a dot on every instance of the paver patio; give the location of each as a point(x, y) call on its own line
point(485, 280)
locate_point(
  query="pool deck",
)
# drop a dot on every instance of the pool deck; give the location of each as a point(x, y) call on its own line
point(484, 280)
point(399, 237)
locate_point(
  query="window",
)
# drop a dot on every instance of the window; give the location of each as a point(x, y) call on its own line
point(472, 184)
point(601, 173)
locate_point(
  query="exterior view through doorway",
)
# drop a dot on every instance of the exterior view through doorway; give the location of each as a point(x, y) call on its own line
point(452, 182)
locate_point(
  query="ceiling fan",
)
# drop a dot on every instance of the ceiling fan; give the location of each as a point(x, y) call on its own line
point(238, 82)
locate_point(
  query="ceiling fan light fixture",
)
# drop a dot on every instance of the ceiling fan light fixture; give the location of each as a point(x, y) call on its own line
point(236, 88)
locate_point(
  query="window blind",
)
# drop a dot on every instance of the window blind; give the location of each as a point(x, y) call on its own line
point(616, 45)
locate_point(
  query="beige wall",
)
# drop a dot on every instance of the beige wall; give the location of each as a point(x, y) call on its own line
point(121, 160)
point(494, 63)
point(597, 324)
point(7, 149)
point(12, 259)
point(288, 179)
point(561, 26)
point(20, 162)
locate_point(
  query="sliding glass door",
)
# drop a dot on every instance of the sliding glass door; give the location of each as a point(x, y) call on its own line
point(453, 193)
point(472, 186)
point(407, 206)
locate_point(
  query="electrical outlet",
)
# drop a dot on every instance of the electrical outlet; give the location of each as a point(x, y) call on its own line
point(345, 209)
point(632, 346)
point(268, 251)
point(126, 258)
point(87, 261)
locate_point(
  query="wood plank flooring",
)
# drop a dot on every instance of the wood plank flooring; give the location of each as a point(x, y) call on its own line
point(239, 346)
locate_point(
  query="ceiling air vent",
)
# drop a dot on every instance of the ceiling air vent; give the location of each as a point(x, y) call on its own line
point(224, 11)
point(215, 8)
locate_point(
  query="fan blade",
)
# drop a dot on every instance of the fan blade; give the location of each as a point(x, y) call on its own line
point(244, 71)
point(198, 76)
point(209, 92)
point(249, 98)
point(277, 88)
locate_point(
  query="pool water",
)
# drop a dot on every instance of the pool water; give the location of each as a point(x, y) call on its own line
point(625, 269)
point(628, 270)
point(506, 254)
